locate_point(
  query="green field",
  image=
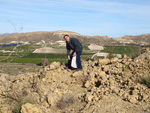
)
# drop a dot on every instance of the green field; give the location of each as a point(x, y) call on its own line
point(31, 60)
point(36, 58)
point(131, 51)
point(23, 53)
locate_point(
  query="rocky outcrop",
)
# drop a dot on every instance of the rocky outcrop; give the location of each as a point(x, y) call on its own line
point(103, 86)
point(143, 39)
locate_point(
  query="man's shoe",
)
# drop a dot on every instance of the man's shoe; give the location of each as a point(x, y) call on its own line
point(66, 68)
point(78, 69)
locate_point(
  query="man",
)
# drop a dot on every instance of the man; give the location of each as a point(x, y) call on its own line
point(75, 45)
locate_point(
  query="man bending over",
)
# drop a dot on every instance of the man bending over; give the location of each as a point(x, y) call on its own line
point(74, 45)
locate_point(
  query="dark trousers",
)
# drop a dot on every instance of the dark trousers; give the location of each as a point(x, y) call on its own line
point(78, 60)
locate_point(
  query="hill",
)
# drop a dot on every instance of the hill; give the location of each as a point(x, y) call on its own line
point(55, 36)
point(143, 39)
point(36, 37)
point(5, 34)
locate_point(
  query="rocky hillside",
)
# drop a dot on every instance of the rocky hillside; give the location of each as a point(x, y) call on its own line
point(104, 85)
point(140, 39)
point(58, 35)
point(54, 36)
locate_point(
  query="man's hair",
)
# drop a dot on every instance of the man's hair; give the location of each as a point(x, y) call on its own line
point(66, 35)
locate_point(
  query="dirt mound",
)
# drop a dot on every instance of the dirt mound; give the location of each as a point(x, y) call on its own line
point(103, 86)
point(48, 50)
point(95, 47)
point(45, 50)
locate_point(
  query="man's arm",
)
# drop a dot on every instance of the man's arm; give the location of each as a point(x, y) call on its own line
point(68, 52)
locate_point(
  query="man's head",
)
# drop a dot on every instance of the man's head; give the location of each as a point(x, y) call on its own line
point(67, 38)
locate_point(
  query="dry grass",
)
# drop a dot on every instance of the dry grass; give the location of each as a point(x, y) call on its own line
point(66, 101)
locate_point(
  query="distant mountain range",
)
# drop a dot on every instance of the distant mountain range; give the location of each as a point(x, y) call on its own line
point(54, 36)
point(5, 34)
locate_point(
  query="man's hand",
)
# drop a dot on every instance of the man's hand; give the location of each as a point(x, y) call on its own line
point(68, 57)
point(74, 53)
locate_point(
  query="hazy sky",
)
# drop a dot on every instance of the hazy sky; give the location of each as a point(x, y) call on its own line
point(88, 17)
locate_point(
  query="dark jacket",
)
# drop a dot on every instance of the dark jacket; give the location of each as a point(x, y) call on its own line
point(74, 45)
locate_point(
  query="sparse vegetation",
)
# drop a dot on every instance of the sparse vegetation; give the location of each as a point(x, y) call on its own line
point(17, 108)
point(111, 51)
point(132, 51)
point(85, 47)
point(146, 80)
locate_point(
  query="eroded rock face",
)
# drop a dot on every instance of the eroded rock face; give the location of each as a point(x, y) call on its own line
point(103, 85)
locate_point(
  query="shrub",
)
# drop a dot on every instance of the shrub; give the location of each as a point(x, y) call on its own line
point(111, 51)
point(44, 62)
point(146, 80)
point(20, 102)
point(17, 108)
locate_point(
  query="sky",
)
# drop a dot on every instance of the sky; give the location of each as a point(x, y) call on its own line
point(113, 18)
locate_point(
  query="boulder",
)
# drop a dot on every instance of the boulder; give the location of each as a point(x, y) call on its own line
point(30, 108)
point(103, 61)
point(102, 73)
point(87, 84)
point(54, 65)
point(77, 73)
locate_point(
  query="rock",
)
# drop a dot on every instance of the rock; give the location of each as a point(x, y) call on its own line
point(114, 60)
point(102, 73)
point(85, 66)
point(124, 56)
point(4, 109)
point(145, 97)
point(89, 97)
point(133, 98)
point(131, 67)
point(52, 99)
point(30, 108)
point(87, 84)
point(114, 89)
point(77, 73)
point(119, 65)
point(103, 61)
point(54, 65)
point(103, 79)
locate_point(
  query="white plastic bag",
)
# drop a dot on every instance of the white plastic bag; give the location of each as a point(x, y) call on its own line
point(74, 62)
